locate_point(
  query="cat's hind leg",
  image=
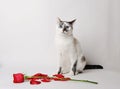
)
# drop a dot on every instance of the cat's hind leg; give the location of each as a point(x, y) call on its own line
point(81, 65)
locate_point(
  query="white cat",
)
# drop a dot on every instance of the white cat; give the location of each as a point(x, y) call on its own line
point(68, 47)
point(71, 58)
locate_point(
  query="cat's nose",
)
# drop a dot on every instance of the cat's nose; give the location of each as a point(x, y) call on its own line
point(64, 30)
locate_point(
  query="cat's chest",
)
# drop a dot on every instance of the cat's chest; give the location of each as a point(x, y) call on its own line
point(64, 43)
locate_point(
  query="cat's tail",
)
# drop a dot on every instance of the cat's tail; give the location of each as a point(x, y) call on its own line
point(93, 67)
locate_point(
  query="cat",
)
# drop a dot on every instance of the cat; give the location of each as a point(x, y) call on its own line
point(70, 55)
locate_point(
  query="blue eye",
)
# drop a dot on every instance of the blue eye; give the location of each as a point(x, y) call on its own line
point(67, 26)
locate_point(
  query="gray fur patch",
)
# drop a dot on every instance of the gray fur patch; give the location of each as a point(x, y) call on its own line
point(83, 59)
point(74, 67)
point(59, 71)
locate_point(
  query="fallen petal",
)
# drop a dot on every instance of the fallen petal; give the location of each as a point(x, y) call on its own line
point(46, 80)
point(40, 75)
point(34, 82)
point(59, 75)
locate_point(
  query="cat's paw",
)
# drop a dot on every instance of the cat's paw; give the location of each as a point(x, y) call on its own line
point(75, 72)
point(63, 70)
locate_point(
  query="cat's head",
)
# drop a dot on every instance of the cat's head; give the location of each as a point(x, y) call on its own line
point(65, 27)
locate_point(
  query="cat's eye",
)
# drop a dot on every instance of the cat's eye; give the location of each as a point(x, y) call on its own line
point(67, 26)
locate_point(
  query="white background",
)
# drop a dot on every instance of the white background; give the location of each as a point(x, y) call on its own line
point(27, 30)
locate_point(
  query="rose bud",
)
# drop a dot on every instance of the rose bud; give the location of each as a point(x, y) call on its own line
point(18, 78)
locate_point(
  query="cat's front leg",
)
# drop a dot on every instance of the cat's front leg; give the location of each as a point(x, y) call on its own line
point(63, 70)
point(78, 65)
point(74, 69)
point(60, 70)
point(60, 63)
point(64, 64)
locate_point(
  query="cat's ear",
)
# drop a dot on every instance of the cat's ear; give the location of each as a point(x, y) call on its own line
point(59, 20)
point(71, 22)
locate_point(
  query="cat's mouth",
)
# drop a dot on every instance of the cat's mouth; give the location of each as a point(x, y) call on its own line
point(64, 30)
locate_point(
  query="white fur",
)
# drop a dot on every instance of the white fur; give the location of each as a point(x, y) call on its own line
point(69, 50)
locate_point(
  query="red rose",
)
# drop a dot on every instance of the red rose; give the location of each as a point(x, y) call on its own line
point(18, 78)
point(39, 77)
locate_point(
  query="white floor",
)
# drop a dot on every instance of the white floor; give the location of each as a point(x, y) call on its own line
point(106, 79)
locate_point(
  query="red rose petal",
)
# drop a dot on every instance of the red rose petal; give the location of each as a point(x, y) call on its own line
point(40, 75)
point(65, 79)
point(18, 78)
point(56, 79)
point(59, 75)
point(46, 80)
point(34, 82)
